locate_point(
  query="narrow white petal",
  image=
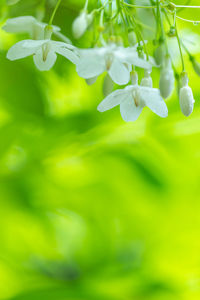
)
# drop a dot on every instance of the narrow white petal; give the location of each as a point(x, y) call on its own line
point(68, 54)
point(20, 24)
point(151, 98)
point(47, 64)
point(113, 100)
point(23, 49)
point(55, 45)
point(90, 65)
point(119, 72)
point(129, 111)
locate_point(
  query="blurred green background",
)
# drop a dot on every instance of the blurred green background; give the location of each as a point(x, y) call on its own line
point(92, 207)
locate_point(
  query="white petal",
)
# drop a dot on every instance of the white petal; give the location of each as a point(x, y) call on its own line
point(113, 100)
point(129, 111)
point(151, 98)
point(119, 72)
point(23, 49)
point(48, 63)
point(139, 62)
point(90, 64)
point(20, 24)
point(68, 54)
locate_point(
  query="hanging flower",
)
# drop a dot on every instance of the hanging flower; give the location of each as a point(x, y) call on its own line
point(133, 99)
point(27, 24)
point(115, 60)
point(186, 97)
point(44, 52)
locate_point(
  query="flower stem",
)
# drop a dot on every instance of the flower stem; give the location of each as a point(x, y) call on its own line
point(179, 44)
point(54, 12)
point(86, 5)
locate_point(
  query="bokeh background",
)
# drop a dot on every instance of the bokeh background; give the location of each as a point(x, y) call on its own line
point(92, 207)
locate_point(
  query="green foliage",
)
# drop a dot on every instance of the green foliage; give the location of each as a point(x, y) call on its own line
point(93, 208)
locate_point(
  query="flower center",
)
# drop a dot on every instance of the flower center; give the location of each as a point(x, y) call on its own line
point(109, 57)
point(136, 97)
point(45, 51)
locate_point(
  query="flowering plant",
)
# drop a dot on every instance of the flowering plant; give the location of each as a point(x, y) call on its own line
point(119, 47)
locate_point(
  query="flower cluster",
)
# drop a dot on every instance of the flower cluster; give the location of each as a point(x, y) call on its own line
point(119, 48)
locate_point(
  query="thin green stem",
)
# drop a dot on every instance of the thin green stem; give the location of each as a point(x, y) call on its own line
point(179, 45)
point(86, 5)
point(54, 12)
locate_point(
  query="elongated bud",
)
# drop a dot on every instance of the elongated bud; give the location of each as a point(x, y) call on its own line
point(196, 65)
point(160, 54)
point(134, 78)
point(107, 85)
point(147, 80)
point(166, 83)
point(132, 38)
point(186, 98)
point(91, 81)
point(81, 24)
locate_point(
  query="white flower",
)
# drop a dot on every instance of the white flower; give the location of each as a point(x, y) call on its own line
point(186, 98)
point(27, 24)
point(132, 100)
point(115, 60)
point(81, 24)
point(43, 51)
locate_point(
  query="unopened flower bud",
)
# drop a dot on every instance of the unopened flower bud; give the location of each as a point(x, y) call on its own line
point(159, 54)
point(132, 38)
point(196, 65)
point(147, 80)
point(119, 41)
point(107, 85)
point(81, 24)
point(91, 81)
point(186, 98)
point(166, 83)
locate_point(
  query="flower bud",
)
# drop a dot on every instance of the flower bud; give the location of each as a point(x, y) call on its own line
point(81, 24)
point(166, 83)
point(186, 98)
point(147, 80)
point(132, 38)
point(107, 85)
point(91, 81)
point(159, 54)
point(196, 65)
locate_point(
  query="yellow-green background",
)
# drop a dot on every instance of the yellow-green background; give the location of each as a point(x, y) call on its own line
point(92, 207)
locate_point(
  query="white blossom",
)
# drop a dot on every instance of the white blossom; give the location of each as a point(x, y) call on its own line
point(28, 24)
point(133, 99)
point(115, 60)
point(44, 52)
